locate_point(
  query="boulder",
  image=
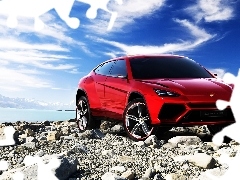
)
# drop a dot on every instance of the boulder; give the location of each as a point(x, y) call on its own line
point(128, 175)
point(199, 159)
point(174, 176)
point(151, 141)
point(185, 140)
point(53, 135)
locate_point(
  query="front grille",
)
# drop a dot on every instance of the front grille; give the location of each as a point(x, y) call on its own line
point(202, 105)
point(208, 116)
point(171, 111)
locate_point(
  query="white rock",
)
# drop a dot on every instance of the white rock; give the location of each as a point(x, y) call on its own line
point(199, 159)
point(211, 174)
point(118, 168)
point(140, 143)
point(111, 176)
point(40, 153)
point(187, 140)
point(117, 128)
point(174, 176)
point(151, 140)
point(148, 173)
point(128, 175)
point(108, 152)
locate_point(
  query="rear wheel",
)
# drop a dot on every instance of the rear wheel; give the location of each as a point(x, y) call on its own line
point(84, 118)
point(137, 122)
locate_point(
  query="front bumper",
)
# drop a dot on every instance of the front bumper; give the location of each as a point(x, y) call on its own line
point(194, 114)
point(182, 112)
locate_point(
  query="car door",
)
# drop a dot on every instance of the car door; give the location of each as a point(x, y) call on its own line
point(116, 89)
point(101, 73)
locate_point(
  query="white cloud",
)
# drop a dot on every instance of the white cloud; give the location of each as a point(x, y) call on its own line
point(15, 80)
point(23, 51)
point(31, 55)
point(26, 55)
point(128, 12)
point(200, 36)
point(28, 58)
point(11, 43)
point(24, 70)
point(134, 9)
point(35, 58)
point(54, 67)
point(62, 89)
point(211, 10)
point(56, 30)
point(219, 71)
point(74, 71)
point(111, 54)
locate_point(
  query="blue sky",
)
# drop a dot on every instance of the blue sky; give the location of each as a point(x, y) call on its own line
point(48, 64)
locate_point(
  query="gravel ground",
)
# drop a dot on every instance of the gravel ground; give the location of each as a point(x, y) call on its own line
point(107, 153)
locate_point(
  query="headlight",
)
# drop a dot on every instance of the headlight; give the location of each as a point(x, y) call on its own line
point(165, 93)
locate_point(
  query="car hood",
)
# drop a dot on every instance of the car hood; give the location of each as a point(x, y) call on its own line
point(196, 86)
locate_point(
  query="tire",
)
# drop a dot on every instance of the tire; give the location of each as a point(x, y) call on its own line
point(84, 118)
point(137, 122)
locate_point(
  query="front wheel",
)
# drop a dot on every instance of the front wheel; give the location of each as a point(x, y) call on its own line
point(83, 116)
point(137, 122)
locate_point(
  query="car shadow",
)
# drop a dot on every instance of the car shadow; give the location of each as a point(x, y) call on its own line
point(168, 134)
point(205, 137)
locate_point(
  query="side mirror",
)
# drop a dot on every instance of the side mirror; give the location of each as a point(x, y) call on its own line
point(215, 74)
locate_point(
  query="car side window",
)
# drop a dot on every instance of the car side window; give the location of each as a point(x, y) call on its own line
point(104, 69)
point(119, 68)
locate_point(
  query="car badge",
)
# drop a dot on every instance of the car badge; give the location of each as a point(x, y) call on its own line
point(211, 95)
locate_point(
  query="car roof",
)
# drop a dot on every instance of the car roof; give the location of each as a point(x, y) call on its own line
point(132, 57)
point(135, 56)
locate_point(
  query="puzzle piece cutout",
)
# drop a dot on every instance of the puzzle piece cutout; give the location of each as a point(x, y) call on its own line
point(3, 165)
point(8, 131)
point(44, 170)
point(18, 176)
point(100, 4)
point(36, 8)
point(233, 167)
point(232, 131)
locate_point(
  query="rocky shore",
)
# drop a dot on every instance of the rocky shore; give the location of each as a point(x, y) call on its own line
point(107, 154)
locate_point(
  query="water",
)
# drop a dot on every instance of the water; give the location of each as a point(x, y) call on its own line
point(32, 115)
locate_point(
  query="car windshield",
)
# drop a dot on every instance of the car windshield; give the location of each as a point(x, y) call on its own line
point(167, 67)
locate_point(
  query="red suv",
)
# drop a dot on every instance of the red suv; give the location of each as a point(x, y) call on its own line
point(147, 92)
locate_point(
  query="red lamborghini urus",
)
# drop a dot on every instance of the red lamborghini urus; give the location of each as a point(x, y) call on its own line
point(149, 92)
